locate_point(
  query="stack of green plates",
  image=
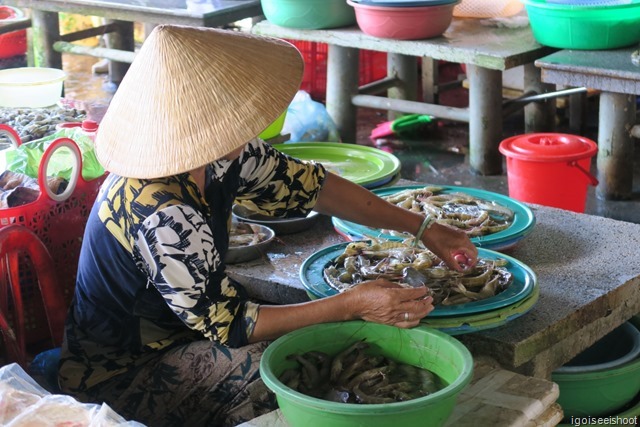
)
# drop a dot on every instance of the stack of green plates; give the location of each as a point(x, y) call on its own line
point(366, 166)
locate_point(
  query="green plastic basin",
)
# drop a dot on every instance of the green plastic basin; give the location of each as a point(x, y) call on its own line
point(420, 346)
point(309, 14)
point(584, 27)
point(274, 128)
point(598, 392)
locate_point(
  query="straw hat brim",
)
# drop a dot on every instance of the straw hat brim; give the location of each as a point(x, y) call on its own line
point(193, 95)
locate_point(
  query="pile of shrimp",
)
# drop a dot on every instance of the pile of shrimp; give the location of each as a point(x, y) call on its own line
point(363, 261)
point(241, 235)
point(476, 217)
point(355, 376)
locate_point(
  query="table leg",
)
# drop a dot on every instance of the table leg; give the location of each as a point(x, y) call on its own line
point(405, 68)
point(429, 80)
point(538, 116)
point(342, 83)
point(485, 119)
point(45, 30)
point(121, 39)
point(615, 145)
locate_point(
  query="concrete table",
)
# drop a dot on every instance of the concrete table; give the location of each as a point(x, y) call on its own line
point(587, 268)
point(486, 50)
point(612, 72)
point(120, 16)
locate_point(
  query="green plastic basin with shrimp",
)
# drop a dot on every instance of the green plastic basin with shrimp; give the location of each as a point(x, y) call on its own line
point(421, 346)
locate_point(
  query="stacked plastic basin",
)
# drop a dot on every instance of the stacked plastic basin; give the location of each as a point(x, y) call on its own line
point(308, 14)
point(604, 380)
point(404, 19)
point(585, 24)
point(13, 43)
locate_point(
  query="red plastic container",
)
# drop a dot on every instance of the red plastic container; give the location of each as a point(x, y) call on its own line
point(13, 43)
point(59, 221)
point(373, 66)
point(550, 169)
point(403, 23)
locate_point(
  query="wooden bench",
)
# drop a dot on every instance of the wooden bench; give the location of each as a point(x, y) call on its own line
point(486, 50)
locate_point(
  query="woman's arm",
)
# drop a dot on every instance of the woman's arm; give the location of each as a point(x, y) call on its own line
point(377, 301)
point(342, 198)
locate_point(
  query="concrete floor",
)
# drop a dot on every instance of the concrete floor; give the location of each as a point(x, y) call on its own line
point(434, 154)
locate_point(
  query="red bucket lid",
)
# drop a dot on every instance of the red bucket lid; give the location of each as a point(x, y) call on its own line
point(548, 147)
point(7, 12)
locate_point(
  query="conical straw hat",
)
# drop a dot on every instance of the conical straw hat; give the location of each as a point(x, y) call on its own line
point(193, 95)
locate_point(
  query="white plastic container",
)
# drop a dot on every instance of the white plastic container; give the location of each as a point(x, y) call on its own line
point(31, 87)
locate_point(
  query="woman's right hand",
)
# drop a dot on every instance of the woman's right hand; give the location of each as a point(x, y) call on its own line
point(382, 301)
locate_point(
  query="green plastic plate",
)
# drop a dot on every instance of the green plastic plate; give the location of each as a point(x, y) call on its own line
point(523, 222)
point(311, 275)
point(366, 166)
point(482, 321)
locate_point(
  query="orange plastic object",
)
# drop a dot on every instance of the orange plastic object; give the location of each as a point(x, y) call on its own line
point(20, 250)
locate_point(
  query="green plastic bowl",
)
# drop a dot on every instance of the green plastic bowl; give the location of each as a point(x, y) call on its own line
point(584, 27)
point(598, 392)
point(274, 128)
point(309, 14)
point(423, 347)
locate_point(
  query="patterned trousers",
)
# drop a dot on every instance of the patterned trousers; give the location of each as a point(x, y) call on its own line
point(197, 384)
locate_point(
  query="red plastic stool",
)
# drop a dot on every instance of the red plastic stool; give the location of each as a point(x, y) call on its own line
point(17, 244)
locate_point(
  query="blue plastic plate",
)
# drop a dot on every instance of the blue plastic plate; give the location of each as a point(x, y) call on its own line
point(523, 221)
point(312, 277)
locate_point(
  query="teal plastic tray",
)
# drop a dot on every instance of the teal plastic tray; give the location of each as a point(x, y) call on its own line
point(523, 223)
point(311, 275)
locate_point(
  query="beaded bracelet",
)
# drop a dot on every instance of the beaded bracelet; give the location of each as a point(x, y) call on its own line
point(426, 224)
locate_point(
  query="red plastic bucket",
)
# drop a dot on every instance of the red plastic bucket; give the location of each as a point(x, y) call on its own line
point(13, 43)
point(550, 169)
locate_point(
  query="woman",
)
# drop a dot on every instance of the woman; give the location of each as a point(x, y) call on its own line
point(156, 328)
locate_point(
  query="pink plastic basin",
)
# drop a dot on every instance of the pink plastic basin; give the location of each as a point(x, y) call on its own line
point(403, 23)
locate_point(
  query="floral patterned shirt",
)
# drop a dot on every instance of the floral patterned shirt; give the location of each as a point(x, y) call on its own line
point(152, 273)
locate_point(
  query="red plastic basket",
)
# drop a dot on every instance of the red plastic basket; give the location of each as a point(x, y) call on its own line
point(59, 221)
point(373, 66)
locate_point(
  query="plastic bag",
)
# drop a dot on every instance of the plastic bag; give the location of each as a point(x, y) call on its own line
point(24, 403)
point(309, 121)
point(25, 159)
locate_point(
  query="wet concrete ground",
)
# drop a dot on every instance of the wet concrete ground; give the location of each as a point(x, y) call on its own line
point(434, 154)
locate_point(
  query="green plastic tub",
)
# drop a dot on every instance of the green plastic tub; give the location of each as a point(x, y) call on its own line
point(601, 392)
point(309, 14)
point(420, 346)
point(584, 27)
point(274, 128)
